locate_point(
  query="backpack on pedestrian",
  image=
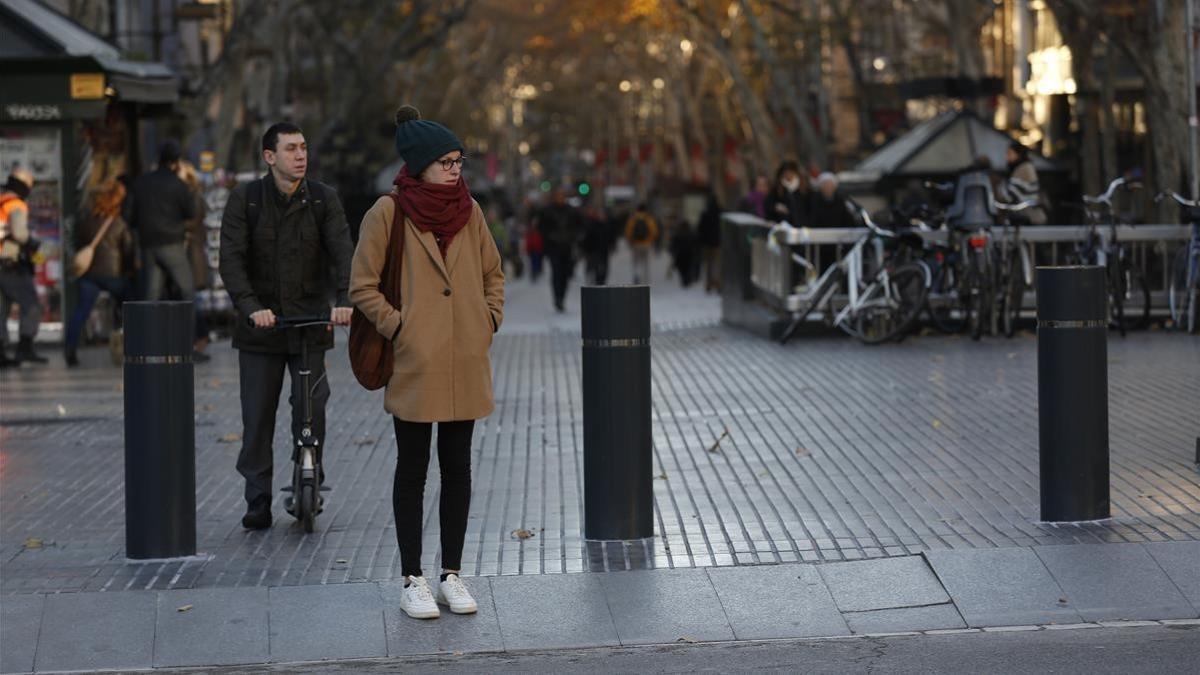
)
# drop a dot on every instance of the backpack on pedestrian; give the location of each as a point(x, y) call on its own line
point(641, 228)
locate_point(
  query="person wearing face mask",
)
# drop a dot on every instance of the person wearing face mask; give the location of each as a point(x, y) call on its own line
point(788, 201)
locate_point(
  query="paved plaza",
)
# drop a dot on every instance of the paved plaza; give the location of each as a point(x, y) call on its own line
point(921, 456)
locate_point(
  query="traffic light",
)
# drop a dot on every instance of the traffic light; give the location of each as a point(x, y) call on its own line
point(584, 189)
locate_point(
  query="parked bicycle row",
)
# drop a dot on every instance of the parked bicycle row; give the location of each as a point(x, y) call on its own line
point(960, 263)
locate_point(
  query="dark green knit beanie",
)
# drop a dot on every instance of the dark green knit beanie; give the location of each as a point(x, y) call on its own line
point(419, 142)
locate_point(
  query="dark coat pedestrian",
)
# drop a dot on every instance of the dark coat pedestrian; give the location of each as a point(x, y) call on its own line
point(708, 236)
point(561, 229)
point(280, 237)
point(158, 210)
point(789, 200)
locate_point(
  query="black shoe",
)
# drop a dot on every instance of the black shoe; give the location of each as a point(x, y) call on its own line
point(258, 515)
point(71, 357)
point(200, 357)
point(26, 354)
point(6, 362)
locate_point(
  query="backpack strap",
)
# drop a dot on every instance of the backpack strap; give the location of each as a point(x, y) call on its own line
point(254, 200)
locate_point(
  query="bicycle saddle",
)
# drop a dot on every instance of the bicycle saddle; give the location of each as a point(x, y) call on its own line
point(974, 204)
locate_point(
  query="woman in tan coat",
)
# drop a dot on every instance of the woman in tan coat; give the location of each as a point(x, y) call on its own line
point(452, 301)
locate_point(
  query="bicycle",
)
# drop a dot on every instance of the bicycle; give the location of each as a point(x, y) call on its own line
point(1125, 280)
point(304, 502)
point(1014, 267)
point(1183, 294)
point(880, 307)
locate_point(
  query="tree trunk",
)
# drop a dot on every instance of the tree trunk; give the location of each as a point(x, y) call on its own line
point(1166, 110)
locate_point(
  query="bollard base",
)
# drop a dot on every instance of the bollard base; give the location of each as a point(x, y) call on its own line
point(1106, 520)
point(199, 558)
point(613, 555)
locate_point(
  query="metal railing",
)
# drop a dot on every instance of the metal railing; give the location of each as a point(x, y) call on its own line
point(777, 281)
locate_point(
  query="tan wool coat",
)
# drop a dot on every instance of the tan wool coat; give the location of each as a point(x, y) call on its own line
point(448, 313)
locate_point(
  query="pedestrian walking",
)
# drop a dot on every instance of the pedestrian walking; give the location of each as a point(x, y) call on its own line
point(196, 241)
point(708, 236)
point(596, 245)
point(113, 262)
point(281, 236)
point(561, 230)
point(17, 250)
point(534, 248)
point(641, 231)
point(754, 201)
point(683, 253)
point(158, 210)
point(788, 202)
point(1021, 183)
point(828, 207)
point(452, 302)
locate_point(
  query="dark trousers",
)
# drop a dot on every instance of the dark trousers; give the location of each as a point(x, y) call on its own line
point(562, 267)
point(261, 377)
point(89, 291)
point(161, 262)
point(408, 489)
point(597, 267)
point(17, 287)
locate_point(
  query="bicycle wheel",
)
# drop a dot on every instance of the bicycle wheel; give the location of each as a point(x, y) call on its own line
point(944, 303)
point(891, 315)
point(1014, 295)
point(1177, 286)
point(979, 297)
point(308, 507)
point(1136, 301)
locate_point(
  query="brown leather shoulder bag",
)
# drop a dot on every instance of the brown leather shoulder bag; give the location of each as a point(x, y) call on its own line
point(371, 353)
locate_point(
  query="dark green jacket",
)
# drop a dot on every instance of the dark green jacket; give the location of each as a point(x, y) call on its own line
point(287, 262)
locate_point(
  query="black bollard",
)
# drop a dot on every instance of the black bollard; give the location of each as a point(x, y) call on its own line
point(160, 439)
point(618, 499)
point(1072, 308)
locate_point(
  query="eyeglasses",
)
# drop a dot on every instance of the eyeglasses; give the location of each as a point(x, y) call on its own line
point(448, 164)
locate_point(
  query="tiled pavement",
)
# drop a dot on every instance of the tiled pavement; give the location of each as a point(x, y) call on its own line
point(951, 591)
point(824, 450)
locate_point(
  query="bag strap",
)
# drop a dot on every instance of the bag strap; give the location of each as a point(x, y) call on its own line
point(100, 233)
point(389, 277)
point(254, 199)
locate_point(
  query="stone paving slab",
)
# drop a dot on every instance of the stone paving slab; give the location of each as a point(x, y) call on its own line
point(823, 450)
point(554, 612)
point(883, 584)
point(1181, 562)
point(452, 633)
point(777, 601)
point(901, 619)
point(97, 631)
point(661, 606)
point(20, 622)
point(314, 623)
point(1002, 587)
point(1115, 582)
point(236, 619)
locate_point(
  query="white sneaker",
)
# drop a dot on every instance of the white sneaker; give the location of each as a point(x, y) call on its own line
point(417, 601)
point(453, 592)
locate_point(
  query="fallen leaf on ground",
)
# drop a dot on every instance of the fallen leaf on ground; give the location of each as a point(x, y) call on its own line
point(214, 383)
point(364, 441)
point(341, 561)
point(719, 439)
point(32, 543)
point(522, 534)
point(184, 608)
point(662, 476)
point(802, 452)
point(230, 438)
point(208, 407)
point(689, 640)
point(937, 424)
point(61, 410)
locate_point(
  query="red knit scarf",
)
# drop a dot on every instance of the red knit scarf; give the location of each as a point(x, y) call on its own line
point(437, 208)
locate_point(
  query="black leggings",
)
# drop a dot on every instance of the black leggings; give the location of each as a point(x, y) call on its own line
point(408, 489)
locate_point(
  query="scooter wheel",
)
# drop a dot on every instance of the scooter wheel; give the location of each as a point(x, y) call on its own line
point(308, 508)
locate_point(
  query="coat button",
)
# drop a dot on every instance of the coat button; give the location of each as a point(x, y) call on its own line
point(446, 292)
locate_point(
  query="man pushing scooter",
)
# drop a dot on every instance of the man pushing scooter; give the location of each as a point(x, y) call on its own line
point(280, 235)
